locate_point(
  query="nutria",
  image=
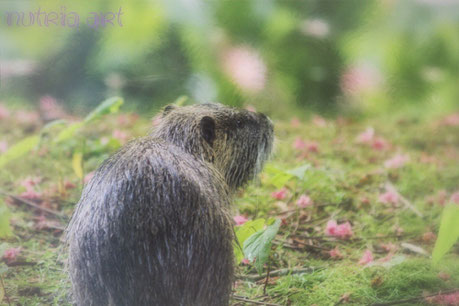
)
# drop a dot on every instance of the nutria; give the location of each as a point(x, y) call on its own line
point(152, 226)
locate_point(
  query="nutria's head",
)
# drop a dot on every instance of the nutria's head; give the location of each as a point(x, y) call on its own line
point(236, 141)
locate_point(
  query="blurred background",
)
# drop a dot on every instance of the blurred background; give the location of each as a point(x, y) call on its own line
point(282, 57)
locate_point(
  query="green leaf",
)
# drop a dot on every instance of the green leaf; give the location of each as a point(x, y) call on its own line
point(53, 124)
point(448, 233)
point(109, 106)
point(277, 177)
point(180, 101)
point(258, 246)
point(300, 171)
point(68, 132)
point(242, 233)
point(19, 149)
point(5, 229)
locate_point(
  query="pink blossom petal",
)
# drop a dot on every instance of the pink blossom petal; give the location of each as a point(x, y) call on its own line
point(380, 144)
point(455, 198)
point(299, 144)
point(4, 112)
point(451, 120)
point(397, 161)
point(27, 117)
point(335, 253)
point(120, 135)
point(360, 78)
point(245, 67)
point(312, 146)
point(343, 230)
point(240, 219)
point(29, 182)
point(280, 194)
point(331, 228)
point(366, 136)
point(389, 197)
point(319, 121)
point(31, 195)
point(245, 261)
point(367, 257)
point(11, 254)
point(3, 146)
point(50, 108)
point(304, 201)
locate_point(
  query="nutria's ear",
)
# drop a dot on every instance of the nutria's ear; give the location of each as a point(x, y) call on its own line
point(207, 127)
point(168, 108)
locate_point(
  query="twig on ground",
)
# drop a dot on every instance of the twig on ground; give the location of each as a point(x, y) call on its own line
point(280, 272)
point(405, 202)
point(244, 299)
point(34, 205)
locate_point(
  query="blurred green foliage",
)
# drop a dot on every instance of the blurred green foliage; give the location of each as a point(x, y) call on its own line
point(324, 55)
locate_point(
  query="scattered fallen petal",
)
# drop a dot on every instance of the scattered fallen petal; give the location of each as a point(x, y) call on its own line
point(367, 257)
point(240, 219)
point(380, 144)
point(319, 121)
point(11, 254)
point(3, 146)
point(335, 253)
point(343, 230)
point(366, 136)
point(280, 194)
point(389, 197)
point(455, 198)
point(397, 161)
point(304, 201)
point(299, 144)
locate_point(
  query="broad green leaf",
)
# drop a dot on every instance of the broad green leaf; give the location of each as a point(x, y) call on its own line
point(68, 132)
point(277, 177)
point(300, 171)
point(5, 229)
point(242, 233)
point(109, 106)
point(53, 124)
point(180, 101)
point(448, 233)
point(19, 149)
point(258, 246)
point(77, 164)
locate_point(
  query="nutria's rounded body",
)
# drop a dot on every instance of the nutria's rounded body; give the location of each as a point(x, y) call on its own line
point(152, 227)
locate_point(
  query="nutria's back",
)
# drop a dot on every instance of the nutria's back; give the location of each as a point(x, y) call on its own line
point(152, 226)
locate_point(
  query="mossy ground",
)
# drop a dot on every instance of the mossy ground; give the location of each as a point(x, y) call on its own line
point(343, 178)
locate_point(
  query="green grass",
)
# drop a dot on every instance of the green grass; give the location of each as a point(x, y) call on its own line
point(344, 180)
